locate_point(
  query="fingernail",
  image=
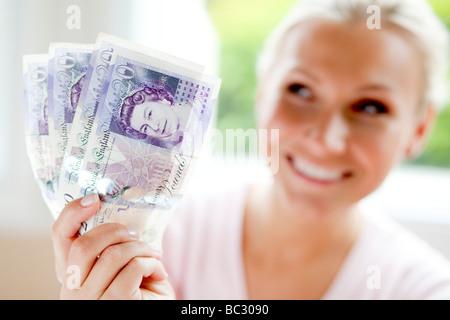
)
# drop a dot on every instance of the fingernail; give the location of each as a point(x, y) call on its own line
point(133, 234)
point(89, 200)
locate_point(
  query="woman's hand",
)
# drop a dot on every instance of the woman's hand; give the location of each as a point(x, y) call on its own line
point(107, 262)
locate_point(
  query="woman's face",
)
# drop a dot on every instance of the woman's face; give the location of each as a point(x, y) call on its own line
point(346, 102)
point(155, 119)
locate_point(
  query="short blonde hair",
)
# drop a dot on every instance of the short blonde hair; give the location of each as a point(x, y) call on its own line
point(414, 16)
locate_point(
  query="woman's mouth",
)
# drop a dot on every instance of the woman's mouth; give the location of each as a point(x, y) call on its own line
point(316, 173)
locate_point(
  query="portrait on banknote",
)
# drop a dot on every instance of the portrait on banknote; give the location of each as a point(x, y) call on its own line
point(43, 120)
point(74, 95)
point(151, 114)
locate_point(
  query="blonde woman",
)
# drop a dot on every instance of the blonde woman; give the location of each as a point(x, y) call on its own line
point(350, 102)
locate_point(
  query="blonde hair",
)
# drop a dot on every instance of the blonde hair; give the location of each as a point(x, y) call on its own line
point(414, 16)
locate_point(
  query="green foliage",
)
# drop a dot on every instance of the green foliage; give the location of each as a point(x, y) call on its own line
point(442, 9)
point(243, 25)
point(437, 151)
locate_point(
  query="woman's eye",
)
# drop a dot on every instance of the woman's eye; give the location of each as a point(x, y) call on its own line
point(370, 107)
point(149, 114)
point(300, 90)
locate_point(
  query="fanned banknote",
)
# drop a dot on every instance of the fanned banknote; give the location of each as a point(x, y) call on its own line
point(151, 119)
point(36, 125)
point(86, 117)
point(67, 69)
point(127, 123)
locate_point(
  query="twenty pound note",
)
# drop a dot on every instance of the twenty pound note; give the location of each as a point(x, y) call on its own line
point(67, 69)
point(84, 120)
point(86, 116)
point(36, 125)
point(148, 128)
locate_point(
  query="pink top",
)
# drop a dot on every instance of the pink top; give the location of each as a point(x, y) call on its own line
point(203, 256)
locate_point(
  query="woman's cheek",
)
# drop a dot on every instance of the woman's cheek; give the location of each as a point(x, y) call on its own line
point(279, 116)
point(278, 135)
point(375, 158)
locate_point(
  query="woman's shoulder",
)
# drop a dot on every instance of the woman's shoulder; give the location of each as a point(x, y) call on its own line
point(389, 261)
point(387, 235)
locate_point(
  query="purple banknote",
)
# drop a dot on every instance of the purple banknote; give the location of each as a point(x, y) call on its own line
point(36, 126)
point(118, 120)
point(67, 69)
point(136, 133)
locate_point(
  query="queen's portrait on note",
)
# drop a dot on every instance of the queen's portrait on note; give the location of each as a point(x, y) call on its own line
point(75, 92)
point(151, 115)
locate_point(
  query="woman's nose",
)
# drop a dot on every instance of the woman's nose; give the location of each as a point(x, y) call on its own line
point(154, 124)
point(329, 133)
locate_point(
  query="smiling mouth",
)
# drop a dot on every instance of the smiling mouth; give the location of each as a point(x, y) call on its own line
point(316, 173)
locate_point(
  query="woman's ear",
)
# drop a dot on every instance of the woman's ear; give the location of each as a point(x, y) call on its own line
point(421, 132)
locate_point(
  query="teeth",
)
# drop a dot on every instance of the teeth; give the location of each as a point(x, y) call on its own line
point(315, 172)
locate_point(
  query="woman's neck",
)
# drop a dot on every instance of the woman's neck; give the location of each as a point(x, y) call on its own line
point(285, 226)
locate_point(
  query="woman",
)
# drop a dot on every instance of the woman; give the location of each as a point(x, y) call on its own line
point(350, 103)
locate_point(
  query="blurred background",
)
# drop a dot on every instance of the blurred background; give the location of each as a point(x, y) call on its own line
point(223, 35)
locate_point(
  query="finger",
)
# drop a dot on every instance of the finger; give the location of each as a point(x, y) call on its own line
point(65, 229)
point(74, 213)
point(108, 265)
point(127, 283)
point(85, 249)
